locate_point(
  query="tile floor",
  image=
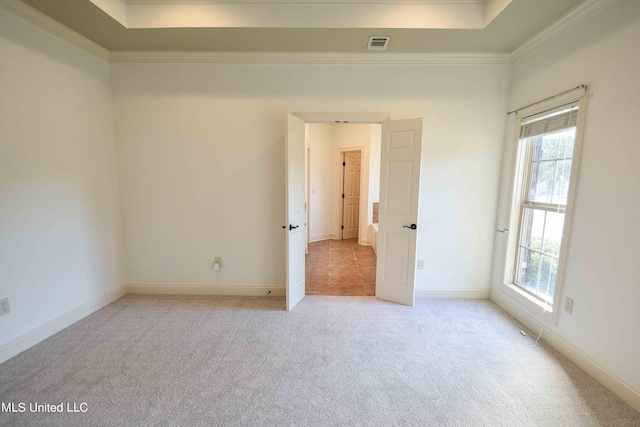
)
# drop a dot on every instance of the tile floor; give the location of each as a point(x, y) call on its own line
point(340, 267)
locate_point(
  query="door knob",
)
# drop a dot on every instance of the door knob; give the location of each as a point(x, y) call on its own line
point(291, 227)
point(412, 226)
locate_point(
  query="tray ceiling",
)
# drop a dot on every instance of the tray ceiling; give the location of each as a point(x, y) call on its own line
point(415, 26)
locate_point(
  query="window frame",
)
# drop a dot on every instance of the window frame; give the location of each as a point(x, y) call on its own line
point(518, 178)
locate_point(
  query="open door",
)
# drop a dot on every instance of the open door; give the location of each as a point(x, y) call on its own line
point(398, 214)
point(295, 212)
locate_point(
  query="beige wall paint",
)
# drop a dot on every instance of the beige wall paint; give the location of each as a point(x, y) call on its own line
point(602, 267)
point(60, 223)
point(201, 160)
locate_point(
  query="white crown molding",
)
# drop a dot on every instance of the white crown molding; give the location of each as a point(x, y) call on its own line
point(41, 20)
point(561, 26)
point(310, 58)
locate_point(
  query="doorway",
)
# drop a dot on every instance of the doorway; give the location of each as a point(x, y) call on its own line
point(399, 190)
point(343, 183)
point(340, 268)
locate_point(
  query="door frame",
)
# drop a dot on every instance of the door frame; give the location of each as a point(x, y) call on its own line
point(340, 187)
point(341, 118)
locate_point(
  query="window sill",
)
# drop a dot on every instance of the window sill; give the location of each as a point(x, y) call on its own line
point(531, 302)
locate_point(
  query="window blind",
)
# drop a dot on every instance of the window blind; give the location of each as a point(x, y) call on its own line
point(550, 121)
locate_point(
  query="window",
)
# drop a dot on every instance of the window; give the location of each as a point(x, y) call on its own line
point(547, 142)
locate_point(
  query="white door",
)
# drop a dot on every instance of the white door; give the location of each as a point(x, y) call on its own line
point(398, 210)
point(295, 212)
point(351, 195)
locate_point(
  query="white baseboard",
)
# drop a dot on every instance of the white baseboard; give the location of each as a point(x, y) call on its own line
point(320, 237)
point(480, 293)
point(25, 341)
point(148, 289)
point(603, 375)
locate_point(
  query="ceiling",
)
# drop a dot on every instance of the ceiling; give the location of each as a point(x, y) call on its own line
point(320, 26)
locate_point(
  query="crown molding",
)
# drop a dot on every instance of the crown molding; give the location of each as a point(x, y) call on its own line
point(561, 26)
point(310, 58)
point(46, 23)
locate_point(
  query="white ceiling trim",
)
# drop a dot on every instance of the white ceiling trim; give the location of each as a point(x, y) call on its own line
point(310, 58)
point(54, 27)
point(561, 26)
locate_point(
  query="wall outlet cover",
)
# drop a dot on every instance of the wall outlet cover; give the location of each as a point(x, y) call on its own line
point(568, 305)
point(4, 306)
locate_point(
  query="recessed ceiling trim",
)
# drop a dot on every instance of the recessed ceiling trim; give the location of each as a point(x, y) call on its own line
point(117, 9)
point(493, 8)
point(305, 15)
point(574, 17)
point(310, 58)
point(46, 23)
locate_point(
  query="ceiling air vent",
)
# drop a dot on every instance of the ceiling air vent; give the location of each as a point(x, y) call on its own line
point(378, 43)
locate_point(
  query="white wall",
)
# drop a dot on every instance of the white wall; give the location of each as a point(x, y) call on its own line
point(374, 170)
point(349, 137)
point(320, 140)
point(60, 224)
point(602, 272)
point(201, 160)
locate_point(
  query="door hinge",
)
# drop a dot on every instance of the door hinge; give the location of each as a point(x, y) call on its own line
point(344, 163)
point(343, 196)
point(342, 227)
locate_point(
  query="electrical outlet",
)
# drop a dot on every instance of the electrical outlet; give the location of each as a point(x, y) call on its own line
point(568, 305)
point(4, 306)
point(218, 260)
point(420, 264)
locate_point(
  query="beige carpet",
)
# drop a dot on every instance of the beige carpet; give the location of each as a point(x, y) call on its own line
point(351, 361)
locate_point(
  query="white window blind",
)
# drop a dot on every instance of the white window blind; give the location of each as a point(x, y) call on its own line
point(550, 121)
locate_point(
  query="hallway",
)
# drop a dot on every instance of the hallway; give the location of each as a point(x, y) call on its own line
point(340, 267)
